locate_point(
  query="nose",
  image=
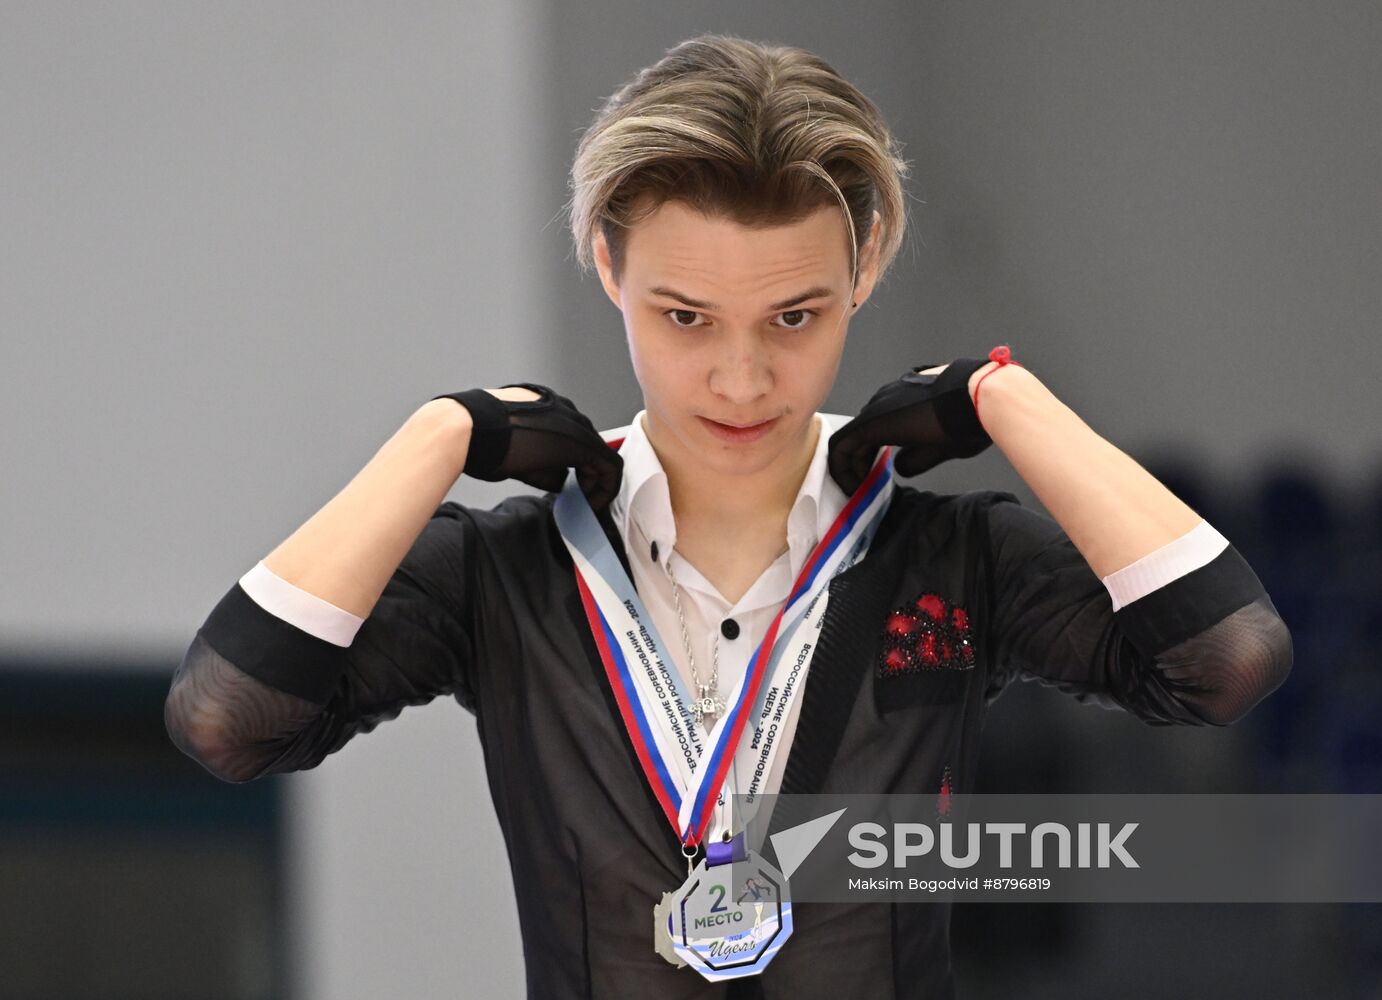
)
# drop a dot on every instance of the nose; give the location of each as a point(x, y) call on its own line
point(743, 372)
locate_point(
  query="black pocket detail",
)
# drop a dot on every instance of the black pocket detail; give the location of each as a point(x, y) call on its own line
point(930, 687)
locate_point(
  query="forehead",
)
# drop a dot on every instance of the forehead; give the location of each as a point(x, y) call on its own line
point(677, 241)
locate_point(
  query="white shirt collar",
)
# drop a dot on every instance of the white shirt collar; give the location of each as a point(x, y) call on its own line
point(644, 497)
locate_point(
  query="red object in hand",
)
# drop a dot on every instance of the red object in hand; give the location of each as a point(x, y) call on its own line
point(1003, 356)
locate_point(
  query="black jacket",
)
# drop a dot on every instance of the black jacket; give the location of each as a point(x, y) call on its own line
point(484, 608)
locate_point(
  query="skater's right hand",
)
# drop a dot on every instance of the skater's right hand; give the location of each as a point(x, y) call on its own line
point(530, 433)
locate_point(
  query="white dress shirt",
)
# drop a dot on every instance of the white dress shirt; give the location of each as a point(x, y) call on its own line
point(642, 512)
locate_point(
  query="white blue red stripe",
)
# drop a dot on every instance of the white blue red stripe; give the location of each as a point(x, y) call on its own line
point(848, 525)
point(686, 777)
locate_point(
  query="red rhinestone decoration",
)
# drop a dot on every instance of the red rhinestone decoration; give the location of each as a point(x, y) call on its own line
point(930, 633)
point(932, 605)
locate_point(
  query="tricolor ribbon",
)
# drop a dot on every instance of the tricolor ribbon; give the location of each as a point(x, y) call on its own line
point(685, 775)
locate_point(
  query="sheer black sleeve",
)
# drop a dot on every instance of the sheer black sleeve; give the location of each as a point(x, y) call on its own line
point(1201, 650)
point(255, 695)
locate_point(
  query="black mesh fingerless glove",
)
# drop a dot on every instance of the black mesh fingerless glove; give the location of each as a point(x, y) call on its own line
point(929, 418)
point(536, 441)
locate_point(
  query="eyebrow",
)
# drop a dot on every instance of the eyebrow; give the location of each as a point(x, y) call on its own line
point(819, 292)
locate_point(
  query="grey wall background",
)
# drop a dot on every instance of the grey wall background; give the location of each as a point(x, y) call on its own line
point(243, 241)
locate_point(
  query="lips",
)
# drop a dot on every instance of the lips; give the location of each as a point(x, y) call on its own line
point(742, 427)
point(739, 433)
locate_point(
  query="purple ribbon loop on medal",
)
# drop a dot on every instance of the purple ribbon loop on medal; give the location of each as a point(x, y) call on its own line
point(725, 851)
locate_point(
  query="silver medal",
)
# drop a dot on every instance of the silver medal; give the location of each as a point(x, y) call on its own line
point(729, 920)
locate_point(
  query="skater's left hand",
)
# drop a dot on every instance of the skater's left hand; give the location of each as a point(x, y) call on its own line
point(928, 414)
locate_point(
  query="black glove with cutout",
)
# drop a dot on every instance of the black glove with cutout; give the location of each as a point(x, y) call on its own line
point(536, 441)
point(929, 418)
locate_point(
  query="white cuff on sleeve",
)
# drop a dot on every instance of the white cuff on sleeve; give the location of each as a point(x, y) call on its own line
point(297, 607)
point(1189, 552)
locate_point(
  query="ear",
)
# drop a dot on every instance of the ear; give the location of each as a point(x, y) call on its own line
point(868, 263)
point(605, 266)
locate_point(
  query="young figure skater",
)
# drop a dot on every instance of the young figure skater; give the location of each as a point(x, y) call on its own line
point(630, 642)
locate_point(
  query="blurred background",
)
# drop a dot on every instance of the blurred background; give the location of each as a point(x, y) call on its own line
point(242, 242)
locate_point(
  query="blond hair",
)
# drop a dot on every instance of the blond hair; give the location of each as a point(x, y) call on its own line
point(761, 134)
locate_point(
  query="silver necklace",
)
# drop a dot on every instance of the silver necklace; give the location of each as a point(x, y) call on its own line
point(707, 699)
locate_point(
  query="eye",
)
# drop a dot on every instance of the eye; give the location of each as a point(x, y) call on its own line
point(683, 312)
point(806, 315)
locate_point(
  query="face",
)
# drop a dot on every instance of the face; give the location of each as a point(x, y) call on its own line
point(735, 334)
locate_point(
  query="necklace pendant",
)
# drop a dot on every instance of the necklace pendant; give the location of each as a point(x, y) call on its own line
point(707, 704)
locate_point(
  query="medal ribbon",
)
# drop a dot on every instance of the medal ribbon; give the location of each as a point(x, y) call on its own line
point(652, 699)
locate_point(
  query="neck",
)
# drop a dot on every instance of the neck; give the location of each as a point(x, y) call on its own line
point(730, 508)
